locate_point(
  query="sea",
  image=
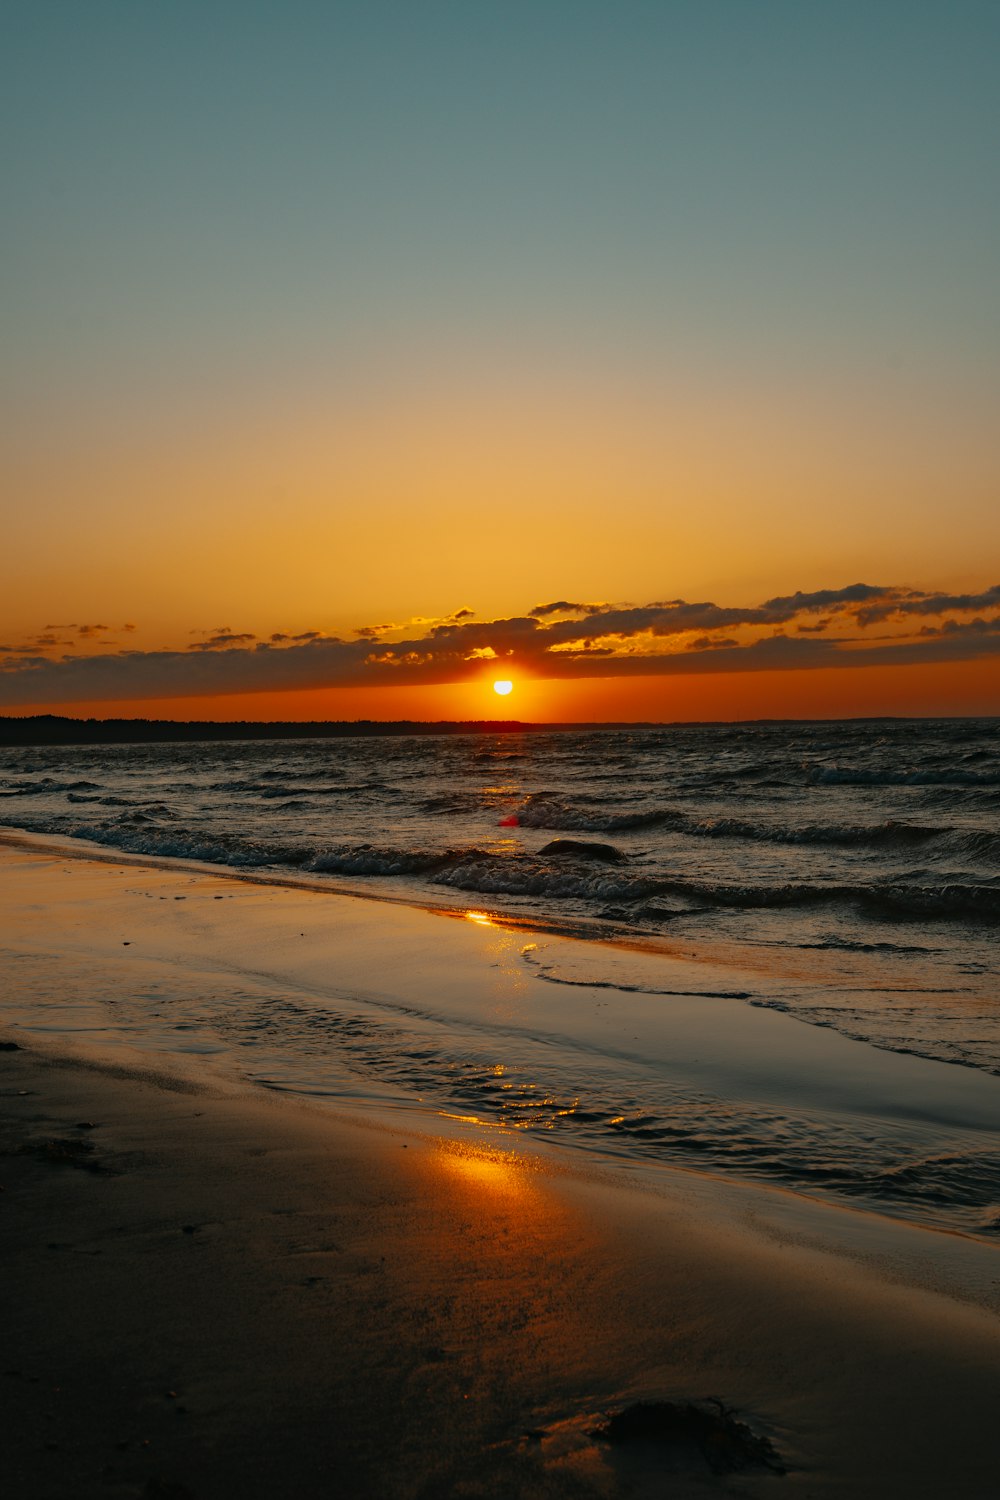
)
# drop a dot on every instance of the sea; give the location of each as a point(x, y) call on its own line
point(850, 869)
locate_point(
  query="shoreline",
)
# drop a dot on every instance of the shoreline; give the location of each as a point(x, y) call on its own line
point(211, 1293)
point(62, 845)
point(362, 1003)
point(213, 1288)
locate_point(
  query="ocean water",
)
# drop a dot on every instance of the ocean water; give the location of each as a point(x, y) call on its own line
point(849, 872)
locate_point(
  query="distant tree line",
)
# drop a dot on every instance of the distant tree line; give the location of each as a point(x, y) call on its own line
point(54, 729)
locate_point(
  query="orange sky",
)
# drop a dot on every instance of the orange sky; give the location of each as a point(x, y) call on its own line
point(333, 333)
point(950, 688)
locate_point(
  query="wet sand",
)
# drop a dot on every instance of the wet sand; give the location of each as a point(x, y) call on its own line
point(210, 1290)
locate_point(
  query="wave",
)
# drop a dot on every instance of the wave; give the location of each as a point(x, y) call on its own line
point(136, 832)
point(84, 797)
point(452, 803)
point(274, 789)
point(272, 793)
point(520, 875)
point(523, 875)
point(47, 786)
point(954, 900)
point(365, 859)
point(546, 810)
point(913, 776)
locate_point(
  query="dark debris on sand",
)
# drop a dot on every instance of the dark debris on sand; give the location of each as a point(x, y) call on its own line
point(68, 1151)
point(726, 1444)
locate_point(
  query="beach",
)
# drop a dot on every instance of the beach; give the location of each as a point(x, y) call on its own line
point(217, 1288)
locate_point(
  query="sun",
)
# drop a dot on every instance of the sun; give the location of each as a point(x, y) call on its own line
point(503, 688)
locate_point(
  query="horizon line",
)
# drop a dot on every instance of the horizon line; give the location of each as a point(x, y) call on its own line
point(68, 720)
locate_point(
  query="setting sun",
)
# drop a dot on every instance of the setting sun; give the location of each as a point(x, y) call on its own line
point(503, 688)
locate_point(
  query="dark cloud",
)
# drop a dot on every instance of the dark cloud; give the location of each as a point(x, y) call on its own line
point(959, 628)
point(609, 641)
point(486, 633)
point(563, 607)
point(912, 602)
point(223, 640)
point(89, 630)
point(21, 661)
point(673, 618)
point(789, 605)
point(448, 622)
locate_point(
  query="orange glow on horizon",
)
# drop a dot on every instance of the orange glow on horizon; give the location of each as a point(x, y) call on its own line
point(942, 689)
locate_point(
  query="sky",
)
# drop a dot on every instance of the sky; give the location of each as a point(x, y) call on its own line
point(359, 354)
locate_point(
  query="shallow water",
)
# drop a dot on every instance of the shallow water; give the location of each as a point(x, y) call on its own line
point(610, 1051)
point(847, 876)
point(863, 857)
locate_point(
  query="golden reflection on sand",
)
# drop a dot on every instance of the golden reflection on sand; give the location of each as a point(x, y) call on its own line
point(487, 1169)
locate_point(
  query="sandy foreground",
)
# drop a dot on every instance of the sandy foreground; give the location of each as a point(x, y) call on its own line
point(210, 1290)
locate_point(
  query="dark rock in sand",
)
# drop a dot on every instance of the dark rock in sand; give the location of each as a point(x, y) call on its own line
point(707, 1427)
point(9, 1047)
point(606, 853)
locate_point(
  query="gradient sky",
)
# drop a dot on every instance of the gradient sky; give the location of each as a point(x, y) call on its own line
point(332, 320)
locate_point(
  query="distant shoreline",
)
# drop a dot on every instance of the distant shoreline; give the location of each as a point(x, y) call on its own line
point(54, 729)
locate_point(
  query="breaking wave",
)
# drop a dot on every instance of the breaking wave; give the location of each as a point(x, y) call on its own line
point(545, 810)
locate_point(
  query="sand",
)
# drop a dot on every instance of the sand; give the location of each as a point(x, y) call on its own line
point(211, 1290)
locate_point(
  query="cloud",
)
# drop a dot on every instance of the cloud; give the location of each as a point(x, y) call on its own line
point(664, 638)
point(913, 602)
point(970, 629)
point(223, 640)
point(445, 622)
point(793, 604)
point(565, 607)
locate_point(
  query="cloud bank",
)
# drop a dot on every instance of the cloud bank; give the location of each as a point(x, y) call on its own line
point(818, 630)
